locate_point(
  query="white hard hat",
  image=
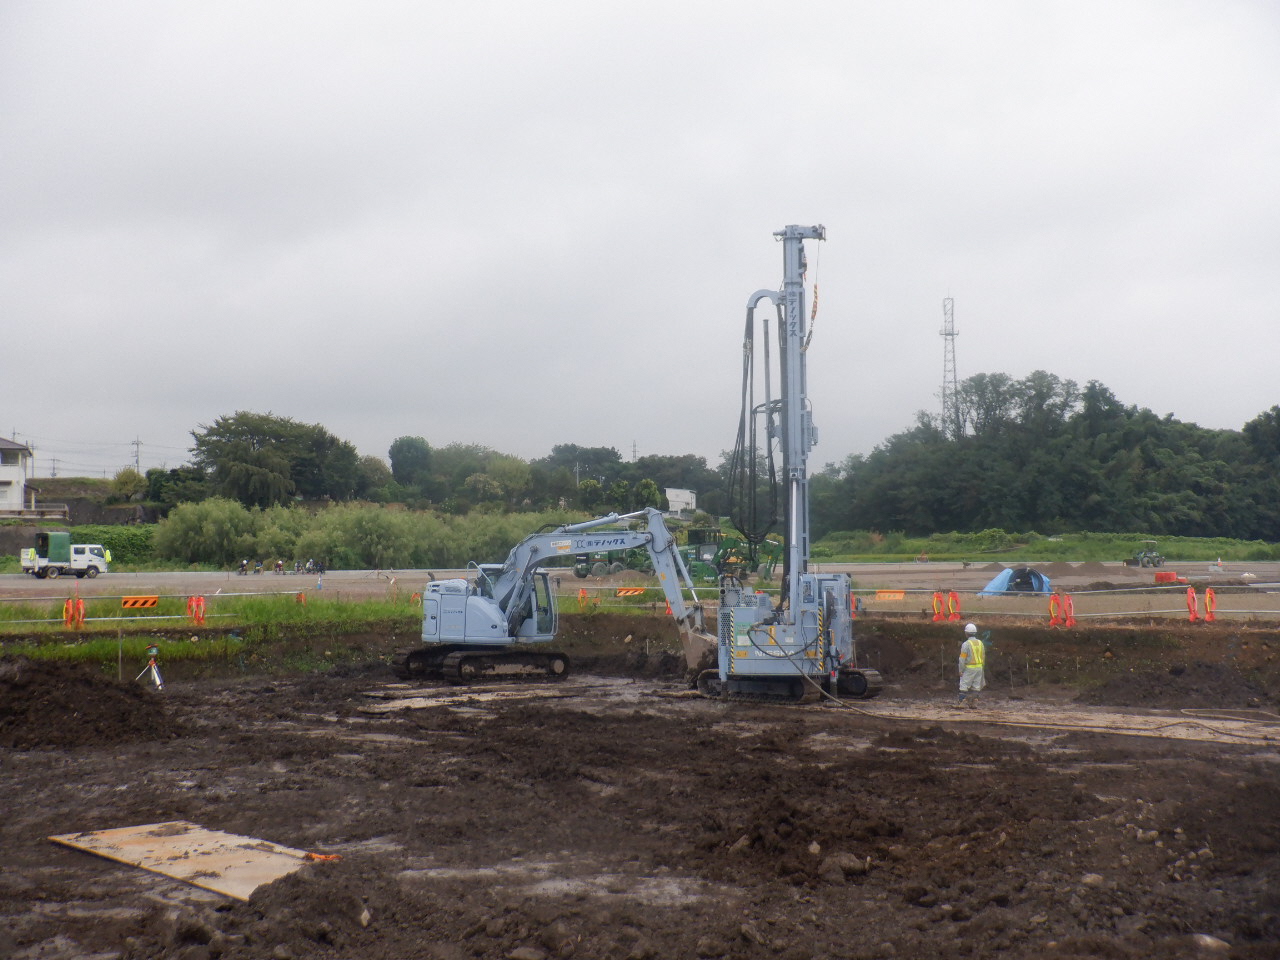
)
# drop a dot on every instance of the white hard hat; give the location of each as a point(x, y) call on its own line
point(970, 628)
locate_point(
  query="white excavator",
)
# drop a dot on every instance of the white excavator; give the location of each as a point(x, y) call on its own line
point(494, 624)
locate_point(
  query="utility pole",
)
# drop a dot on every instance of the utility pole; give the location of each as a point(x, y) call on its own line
point(53, 470)
point(951, 421)
point(137, 454)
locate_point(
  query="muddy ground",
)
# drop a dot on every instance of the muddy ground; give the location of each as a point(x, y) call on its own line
point(619, 816)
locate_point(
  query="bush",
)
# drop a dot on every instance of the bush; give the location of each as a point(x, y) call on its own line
point(216, 530)
point(128, 544)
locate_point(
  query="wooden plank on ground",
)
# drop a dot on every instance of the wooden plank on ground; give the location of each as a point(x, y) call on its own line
point(222, 862)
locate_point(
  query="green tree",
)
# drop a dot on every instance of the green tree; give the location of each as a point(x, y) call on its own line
point(619, 495)
point(326, 468)
point(410, 460)
point(374, 478)
point(452, 465)
point(512, 475)
point(601, 463)
point(987, 402)
point(482, 488)
point(551, 488)
point(647, 494)
point(185, 484)
point(128, 483)
point(590, 495)
point(217, 530)
point(260, 459)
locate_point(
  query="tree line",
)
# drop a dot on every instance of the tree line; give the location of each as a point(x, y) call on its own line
point(1040, 454)
point(260, 460)
point(1036, 454)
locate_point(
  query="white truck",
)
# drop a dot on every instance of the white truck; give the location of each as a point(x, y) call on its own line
point(55, 555)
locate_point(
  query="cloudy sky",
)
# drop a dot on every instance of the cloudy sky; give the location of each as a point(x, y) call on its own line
point(523, 224)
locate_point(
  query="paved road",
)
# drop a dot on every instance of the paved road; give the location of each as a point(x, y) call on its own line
point(186, 583)
point(866, 576)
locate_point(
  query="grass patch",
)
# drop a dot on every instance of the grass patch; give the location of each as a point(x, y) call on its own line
point(865, 546)
point(133, 648)
point(264, 616)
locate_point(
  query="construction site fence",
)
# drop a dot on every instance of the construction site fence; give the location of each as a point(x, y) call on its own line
point(197, 607)
point(1200, 603)
point(1263, 602)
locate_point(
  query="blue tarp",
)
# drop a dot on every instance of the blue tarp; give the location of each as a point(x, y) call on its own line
point(1016, 580)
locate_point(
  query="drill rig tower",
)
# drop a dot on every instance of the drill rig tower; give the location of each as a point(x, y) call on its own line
point(803, 644)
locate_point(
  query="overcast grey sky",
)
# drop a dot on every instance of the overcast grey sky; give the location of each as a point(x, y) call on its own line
point(520, 224)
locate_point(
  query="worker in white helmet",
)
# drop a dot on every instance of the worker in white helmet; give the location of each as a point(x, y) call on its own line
point(973, 660)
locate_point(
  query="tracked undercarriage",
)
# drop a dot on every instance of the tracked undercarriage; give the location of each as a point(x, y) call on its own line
point(850, 685)
point(455, 663)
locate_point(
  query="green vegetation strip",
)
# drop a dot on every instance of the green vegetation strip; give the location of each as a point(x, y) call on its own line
point(133, 649)
point(329, 614)
point(1013, 548)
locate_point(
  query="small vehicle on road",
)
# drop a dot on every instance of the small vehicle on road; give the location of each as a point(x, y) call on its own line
point(1147, 556)
point(54, 555)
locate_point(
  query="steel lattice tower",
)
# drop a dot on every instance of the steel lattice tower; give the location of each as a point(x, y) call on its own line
point(951, 422)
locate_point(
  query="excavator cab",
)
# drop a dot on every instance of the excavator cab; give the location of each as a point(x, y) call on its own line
point(542, 619)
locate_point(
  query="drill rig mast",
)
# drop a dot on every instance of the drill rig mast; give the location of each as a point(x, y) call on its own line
point(803, 643)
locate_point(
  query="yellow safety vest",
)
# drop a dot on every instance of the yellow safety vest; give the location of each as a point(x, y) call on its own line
point(977, 655)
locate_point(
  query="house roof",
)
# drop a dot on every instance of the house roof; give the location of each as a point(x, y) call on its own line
point(10, 445)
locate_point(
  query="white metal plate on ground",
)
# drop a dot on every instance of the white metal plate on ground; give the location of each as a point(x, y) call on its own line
point(222, 862)
point(1188, 725)
point(451, 698)
point(403, 696)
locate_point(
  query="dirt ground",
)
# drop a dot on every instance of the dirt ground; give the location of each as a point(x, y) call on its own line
point(619, 815)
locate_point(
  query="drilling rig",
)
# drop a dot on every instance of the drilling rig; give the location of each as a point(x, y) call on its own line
point(802, 644)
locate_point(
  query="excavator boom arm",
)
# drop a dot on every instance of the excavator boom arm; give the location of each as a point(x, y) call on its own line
point(512, 587)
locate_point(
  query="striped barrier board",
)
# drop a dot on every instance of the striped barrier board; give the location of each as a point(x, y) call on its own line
point(630, 591)
point(133, 603)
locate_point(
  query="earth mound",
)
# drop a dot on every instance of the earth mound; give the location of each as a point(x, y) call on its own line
point(1193, 685)
point(1059, 568)
point(44, 703)
point(886, 654)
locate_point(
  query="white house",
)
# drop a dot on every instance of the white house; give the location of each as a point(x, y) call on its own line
point(14, 458)
point(678, 500)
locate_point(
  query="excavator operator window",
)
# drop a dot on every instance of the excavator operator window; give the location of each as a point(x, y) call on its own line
point(542, 604)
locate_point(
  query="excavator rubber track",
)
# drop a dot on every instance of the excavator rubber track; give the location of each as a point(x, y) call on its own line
point(416, 664)
point(856, 684)
point(463, 665)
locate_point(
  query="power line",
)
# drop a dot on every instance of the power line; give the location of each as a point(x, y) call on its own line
point(105, 457)
point(96, 444)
